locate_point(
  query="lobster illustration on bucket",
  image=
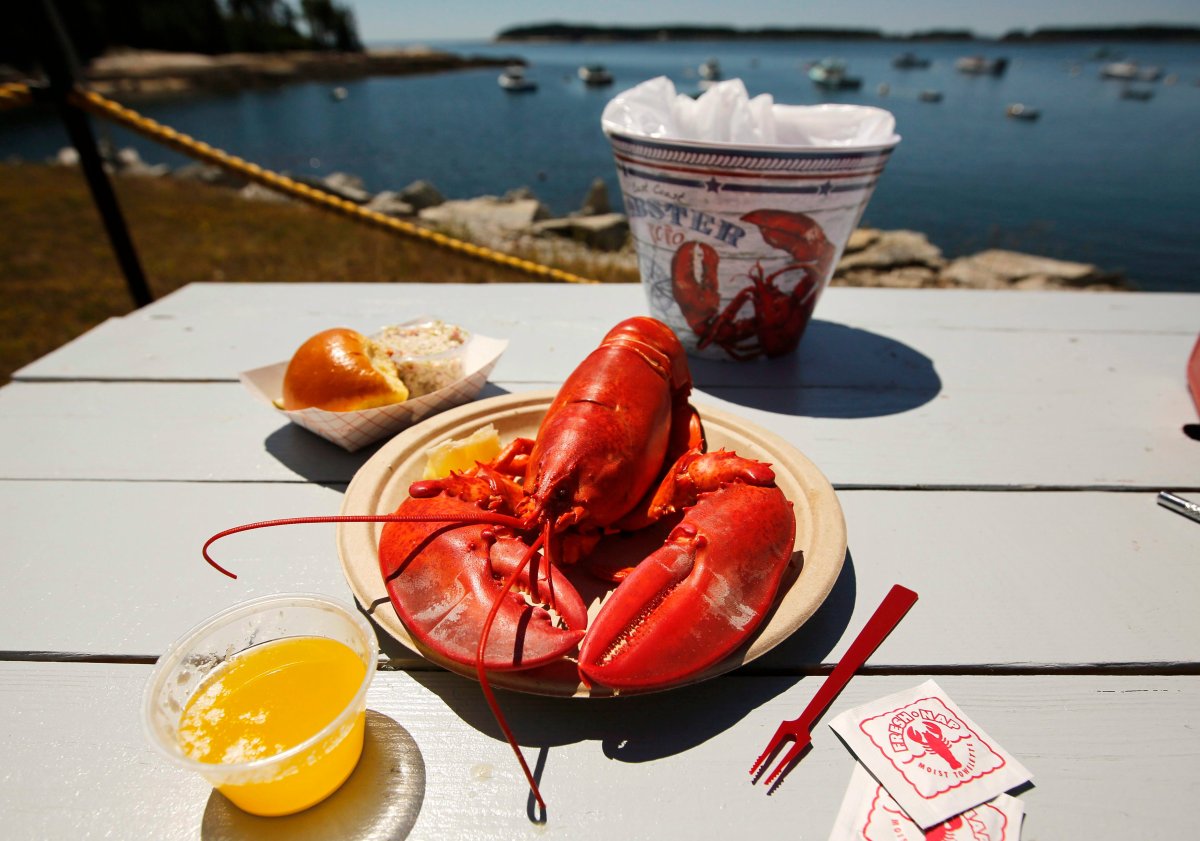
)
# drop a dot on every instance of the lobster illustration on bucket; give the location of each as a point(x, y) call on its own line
point(472, 562)
point(776, 319)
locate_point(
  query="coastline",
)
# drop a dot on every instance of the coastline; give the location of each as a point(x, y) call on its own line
point(596, 235)
point(192, 226)
point(148, 73)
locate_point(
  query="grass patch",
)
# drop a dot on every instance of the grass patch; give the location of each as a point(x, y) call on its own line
point(60, 277)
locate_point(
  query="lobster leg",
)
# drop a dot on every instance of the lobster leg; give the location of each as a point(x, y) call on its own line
point(696, 599)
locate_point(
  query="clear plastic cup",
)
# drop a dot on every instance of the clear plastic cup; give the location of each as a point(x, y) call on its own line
point(301, 776)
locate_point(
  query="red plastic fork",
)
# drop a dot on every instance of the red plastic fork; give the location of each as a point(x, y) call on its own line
point(886, 617)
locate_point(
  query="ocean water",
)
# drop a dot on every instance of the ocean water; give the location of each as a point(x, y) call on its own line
point(1097, 178)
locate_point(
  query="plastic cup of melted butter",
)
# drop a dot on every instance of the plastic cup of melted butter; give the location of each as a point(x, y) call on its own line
point(266, 700)
point(428, 353)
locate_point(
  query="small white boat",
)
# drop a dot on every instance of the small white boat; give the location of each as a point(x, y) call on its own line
point(1130, 71)
point(514, 80)
point(832, 74)
point(595, 75)
point(1020, 111)
point(710, 70)
point(977, 65)
point(338, 94)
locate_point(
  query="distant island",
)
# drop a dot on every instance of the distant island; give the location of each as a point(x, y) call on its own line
point(556, 31)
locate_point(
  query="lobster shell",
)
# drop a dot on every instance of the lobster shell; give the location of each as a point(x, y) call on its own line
point(383, 483)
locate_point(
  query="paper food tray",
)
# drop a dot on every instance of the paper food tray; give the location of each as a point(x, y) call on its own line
point(354, 430)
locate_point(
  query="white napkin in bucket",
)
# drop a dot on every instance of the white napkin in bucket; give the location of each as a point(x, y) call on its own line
point(725, 113)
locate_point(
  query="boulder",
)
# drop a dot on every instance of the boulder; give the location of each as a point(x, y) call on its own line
point(860, 238)
point(421, 194)
point(257, 192)
point(894, 249)
point(208, 174)
point(346, 186)
point(389, 203)
point(604, 232)
point(595, 203)
point(486, 215)
point(128, 161)
point(999, 269)
point(904, 277)
point(518, 194)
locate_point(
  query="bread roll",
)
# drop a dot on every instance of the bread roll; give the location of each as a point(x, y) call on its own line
point(340, 370)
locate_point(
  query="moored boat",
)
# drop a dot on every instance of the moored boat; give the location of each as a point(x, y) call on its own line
point(514, 80)
point(977, 65)
point(1130, 71)
point(1020, 111)
point(595, 75)
point(832, 74)
point(710, 70)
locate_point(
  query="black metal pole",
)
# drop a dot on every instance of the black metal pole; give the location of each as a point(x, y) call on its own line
point(60, 65)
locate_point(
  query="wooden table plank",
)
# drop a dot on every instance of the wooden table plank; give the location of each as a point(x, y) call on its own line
point(671, 765)
point(1055, 580)
point(213, 331)
point(1040, 433)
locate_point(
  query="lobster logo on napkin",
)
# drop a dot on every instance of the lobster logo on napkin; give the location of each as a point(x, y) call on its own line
point(933, 748)
point(869, 813)
point(886, 821)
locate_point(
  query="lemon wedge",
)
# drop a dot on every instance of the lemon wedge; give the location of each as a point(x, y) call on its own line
point(461, 453)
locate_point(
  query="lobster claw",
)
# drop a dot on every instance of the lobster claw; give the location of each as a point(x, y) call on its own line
point(443, 581)
point(696, 599)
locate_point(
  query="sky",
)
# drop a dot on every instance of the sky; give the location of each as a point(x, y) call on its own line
point(406, 20)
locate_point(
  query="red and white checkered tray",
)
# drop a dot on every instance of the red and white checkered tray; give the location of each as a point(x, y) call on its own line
point(354, 430)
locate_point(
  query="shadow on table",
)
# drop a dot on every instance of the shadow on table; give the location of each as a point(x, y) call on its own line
point(642, 728)
point(381, 798)
point(837, 372)
point(322, 462)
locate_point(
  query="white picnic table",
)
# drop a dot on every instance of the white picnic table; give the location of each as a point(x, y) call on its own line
point(1000, 453)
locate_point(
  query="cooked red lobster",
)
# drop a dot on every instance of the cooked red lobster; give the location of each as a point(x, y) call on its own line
point(470, 560)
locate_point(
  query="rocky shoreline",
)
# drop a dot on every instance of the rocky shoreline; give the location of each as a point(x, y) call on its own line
point(142, 73)
point(597, 234)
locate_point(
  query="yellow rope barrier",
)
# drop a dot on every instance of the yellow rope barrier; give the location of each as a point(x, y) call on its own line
point(101, 106)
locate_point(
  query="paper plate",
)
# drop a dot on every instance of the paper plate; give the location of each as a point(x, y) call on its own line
point(382, 483)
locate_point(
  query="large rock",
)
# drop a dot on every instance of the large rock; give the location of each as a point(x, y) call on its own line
point(208, 174)
point(861, 238)
point(904, 277)
point(257, 192)
point(67, 156)
point(595, 203)
point(893, 250)
point(421, 194)
point(486, 215)
point(389, 203)
point(605, 232)
point(999, 269)
point(347, 186)
point(128, 161)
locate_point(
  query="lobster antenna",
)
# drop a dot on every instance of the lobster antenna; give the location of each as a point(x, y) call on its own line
point(492, 519)
point(481, 670)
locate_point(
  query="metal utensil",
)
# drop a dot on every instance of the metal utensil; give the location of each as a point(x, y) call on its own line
point(886, 617)
point(1179, 505)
